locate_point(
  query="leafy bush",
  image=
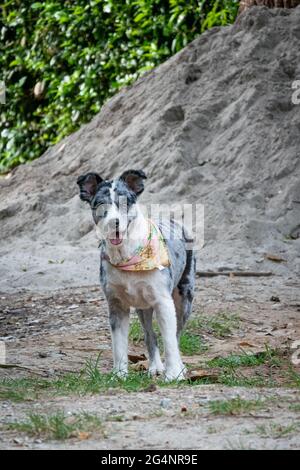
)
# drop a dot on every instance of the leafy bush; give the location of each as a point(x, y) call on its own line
point(61, 60)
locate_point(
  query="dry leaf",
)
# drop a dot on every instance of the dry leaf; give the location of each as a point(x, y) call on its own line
point(197, 374)
point(276, 258)
point(81, 435)
point(245, 344)
point(134, 358)
point(140, 366)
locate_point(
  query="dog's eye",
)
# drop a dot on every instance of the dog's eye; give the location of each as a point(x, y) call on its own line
point(100, 211)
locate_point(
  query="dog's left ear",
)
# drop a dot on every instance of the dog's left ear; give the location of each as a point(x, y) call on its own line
point(134, 180)
point(88, 186)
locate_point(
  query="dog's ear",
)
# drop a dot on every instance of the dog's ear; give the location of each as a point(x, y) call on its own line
point(134, 180)
point(88, 186)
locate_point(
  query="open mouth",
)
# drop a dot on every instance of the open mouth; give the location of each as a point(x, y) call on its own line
point(117, 240)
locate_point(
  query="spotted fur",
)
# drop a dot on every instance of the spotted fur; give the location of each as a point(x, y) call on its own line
point(168, 292)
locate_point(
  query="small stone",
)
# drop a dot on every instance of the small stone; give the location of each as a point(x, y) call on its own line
point(43, 355)
point(166, 403)
point(18, 441)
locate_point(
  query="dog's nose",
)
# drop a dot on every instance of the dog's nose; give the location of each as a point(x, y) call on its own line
point(114, 224)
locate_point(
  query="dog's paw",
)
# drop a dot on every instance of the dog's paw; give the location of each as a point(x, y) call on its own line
point(155, 369)
point(121, 374)
point(176, 373)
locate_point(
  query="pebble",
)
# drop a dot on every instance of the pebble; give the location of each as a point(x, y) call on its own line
point(166, 403)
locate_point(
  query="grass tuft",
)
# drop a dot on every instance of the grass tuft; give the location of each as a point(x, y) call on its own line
point(277, 430)
point(269, 356)
point(236, 406)
point(190, 341)
point(58, 426)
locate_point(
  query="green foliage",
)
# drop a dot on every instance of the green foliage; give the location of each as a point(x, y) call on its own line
point(60, 61)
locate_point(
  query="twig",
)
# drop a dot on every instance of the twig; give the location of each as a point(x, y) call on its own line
point(16, 366)
point(233, 273)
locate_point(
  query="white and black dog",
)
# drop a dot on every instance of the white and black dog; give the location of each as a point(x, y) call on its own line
point(166, 290)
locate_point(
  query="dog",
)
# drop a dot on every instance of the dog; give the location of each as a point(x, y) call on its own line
point(142, 265)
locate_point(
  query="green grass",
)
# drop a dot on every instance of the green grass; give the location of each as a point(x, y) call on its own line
point(230, 372)
point(232, 379)
point(18, 390)
point(136, 334)
point(269, 356)
point(221, 324)
point(190, 342)
point(57, 426)
point(295, 407)
point(277, 430)
point(92, 380)
point(235, 406)
point(292, 378)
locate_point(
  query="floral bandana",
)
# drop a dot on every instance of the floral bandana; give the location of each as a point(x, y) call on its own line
point(152, 254)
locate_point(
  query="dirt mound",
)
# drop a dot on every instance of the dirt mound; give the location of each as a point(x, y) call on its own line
point(215, 124)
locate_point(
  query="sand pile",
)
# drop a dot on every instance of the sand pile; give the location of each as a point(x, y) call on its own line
point(215, 124)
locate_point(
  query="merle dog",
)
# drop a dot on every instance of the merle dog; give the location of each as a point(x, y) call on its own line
point(166, 290)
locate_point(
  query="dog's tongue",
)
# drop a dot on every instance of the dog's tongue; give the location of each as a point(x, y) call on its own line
point(115, 241)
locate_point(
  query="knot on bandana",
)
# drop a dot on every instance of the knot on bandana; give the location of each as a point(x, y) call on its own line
point(152, 254)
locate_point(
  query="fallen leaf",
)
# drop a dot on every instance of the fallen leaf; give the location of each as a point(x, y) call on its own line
point(245, 344)
point(140, 366)
point(276, 258)
point(197, 374)
point(81, 435)
point(134, 358)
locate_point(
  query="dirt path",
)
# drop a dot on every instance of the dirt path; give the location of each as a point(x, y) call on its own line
point(55, 334)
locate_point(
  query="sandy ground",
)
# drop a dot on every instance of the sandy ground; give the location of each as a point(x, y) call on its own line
point(55, 333)
point(214, 125)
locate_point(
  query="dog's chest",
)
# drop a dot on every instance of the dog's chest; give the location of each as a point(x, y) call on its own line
point(138, 290)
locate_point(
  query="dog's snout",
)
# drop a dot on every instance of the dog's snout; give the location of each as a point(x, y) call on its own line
point(114, 224)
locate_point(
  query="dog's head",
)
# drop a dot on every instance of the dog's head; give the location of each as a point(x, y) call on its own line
point(113, 202)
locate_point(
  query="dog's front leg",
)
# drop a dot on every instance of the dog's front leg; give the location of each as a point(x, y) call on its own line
point(119, 324)
point(166, 316)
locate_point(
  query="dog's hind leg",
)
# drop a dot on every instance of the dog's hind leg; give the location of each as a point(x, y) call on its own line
point(155, 363)
point(183, 294)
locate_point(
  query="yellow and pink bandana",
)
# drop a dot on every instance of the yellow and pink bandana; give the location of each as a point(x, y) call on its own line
point(152, 254)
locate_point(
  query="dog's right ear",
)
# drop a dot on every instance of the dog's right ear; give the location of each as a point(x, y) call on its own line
point(88, 186)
